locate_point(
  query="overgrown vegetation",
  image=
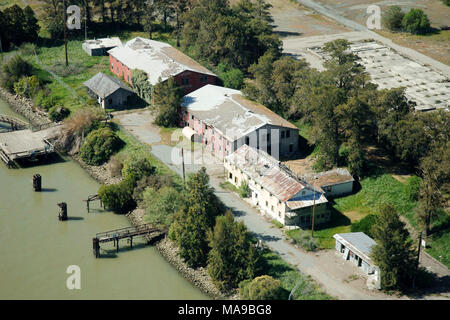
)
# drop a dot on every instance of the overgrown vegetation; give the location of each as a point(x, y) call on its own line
point(99, 146)
point(415, 21)
point(167, 101)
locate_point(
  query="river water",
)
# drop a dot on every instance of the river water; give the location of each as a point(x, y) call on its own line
point(36, 248)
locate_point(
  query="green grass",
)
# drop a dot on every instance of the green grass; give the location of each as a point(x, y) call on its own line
point(289, 276)
point(229, 186)
point(440, 246)
point(376, 192)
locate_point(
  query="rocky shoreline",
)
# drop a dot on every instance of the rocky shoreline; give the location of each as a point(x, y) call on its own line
point(25, 107)
point(169, 251)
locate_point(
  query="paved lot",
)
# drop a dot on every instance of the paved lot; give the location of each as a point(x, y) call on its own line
point(336, 276)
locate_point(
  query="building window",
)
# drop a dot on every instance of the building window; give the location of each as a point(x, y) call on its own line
point(185, 81)
point(192, 117)
point(203, 79)
point(230, 175)
point(247, 140)
point(271, 208)
point(236, 180)
point(267, 204)
point(288, 133)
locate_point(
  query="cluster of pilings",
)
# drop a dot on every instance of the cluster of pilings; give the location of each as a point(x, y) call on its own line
point(62, 216)
point(37, 182)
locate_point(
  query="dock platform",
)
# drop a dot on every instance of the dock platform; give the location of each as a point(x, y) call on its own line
point(26, 144)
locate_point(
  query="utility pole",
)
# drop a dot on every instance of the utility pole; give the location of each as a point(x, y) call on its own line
point(182, 159)
point(314, 207)
point(65, 32)
point(418, 258)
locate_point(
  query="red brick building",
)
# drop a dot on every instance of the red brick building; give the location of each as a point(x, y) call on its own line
point(159, 61)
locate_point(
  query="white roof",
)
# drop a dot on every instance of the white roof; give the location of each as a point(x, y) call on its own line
point(157, 59)
point(229, 112)
point(103, 43)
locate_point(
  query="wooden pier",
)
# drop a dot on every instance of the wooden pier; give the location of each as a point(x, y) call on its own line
point(144, 230)
point(26, 144)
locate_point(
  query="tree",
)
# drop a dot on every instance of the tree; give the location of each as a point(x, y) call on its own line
point(263, 288)
point(435, 170)
point(393, 253)
point(233, 257)
point(141, 85)
point(31, 26)
point(166, 9)
point(180, 8)
point(99, 146)
point(235, 35)
point(231, 77)
point(167, 99)
point(416, 21)
point(13, 70)
point(192, 222)
point(392, 18)
point(137, 166)
point(150, 15)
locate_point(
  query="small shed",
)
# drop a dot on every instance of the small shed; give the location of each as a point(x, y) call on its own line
point(108, 91)
point(100, 47)
point(335, 183)
point(356, 247)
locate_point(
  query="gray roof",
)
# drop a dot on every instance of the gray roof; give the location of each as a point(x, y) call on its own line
point(104, 85)
point(361, 241)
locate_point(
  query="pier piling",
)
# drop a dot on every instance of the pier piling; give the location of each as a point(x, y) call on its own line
point(62, 211)
point(37, 182)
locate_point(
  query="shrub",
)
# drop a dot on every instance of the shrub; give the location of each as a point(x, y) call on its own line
point(118, 197)
point(392, 18)
point(58, 114)
point(412, 188)
point(161, 205)
point(115, 166)
point(446, 2)
point(304, 239)
point(137, 166)
point(364, 225)
point(13, 70)
point(99, 146)
point(28, 49)
point(154, 181)
point(244, 190)
point(262, 288)
point(167, 98)
point(27, 86)
point(44, 100)
point(416, 21)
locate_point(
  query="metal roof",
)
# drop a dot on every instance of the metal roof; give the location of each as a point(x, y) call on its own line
point(273, 176)
point(104, 85)
point(158, 59)
point(359, 240)
point(229, 112)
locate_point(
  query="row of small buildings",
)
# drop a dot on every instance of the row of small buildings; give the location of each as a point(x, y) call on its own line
point(247, 136)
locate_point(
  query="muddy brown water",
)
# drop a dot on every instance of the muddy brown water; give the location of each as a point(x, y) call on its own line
point(36, 248)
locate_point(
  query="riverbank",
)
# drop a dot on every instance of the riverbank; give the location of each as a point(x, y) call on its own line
point(25, 107)
point(102, 175)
